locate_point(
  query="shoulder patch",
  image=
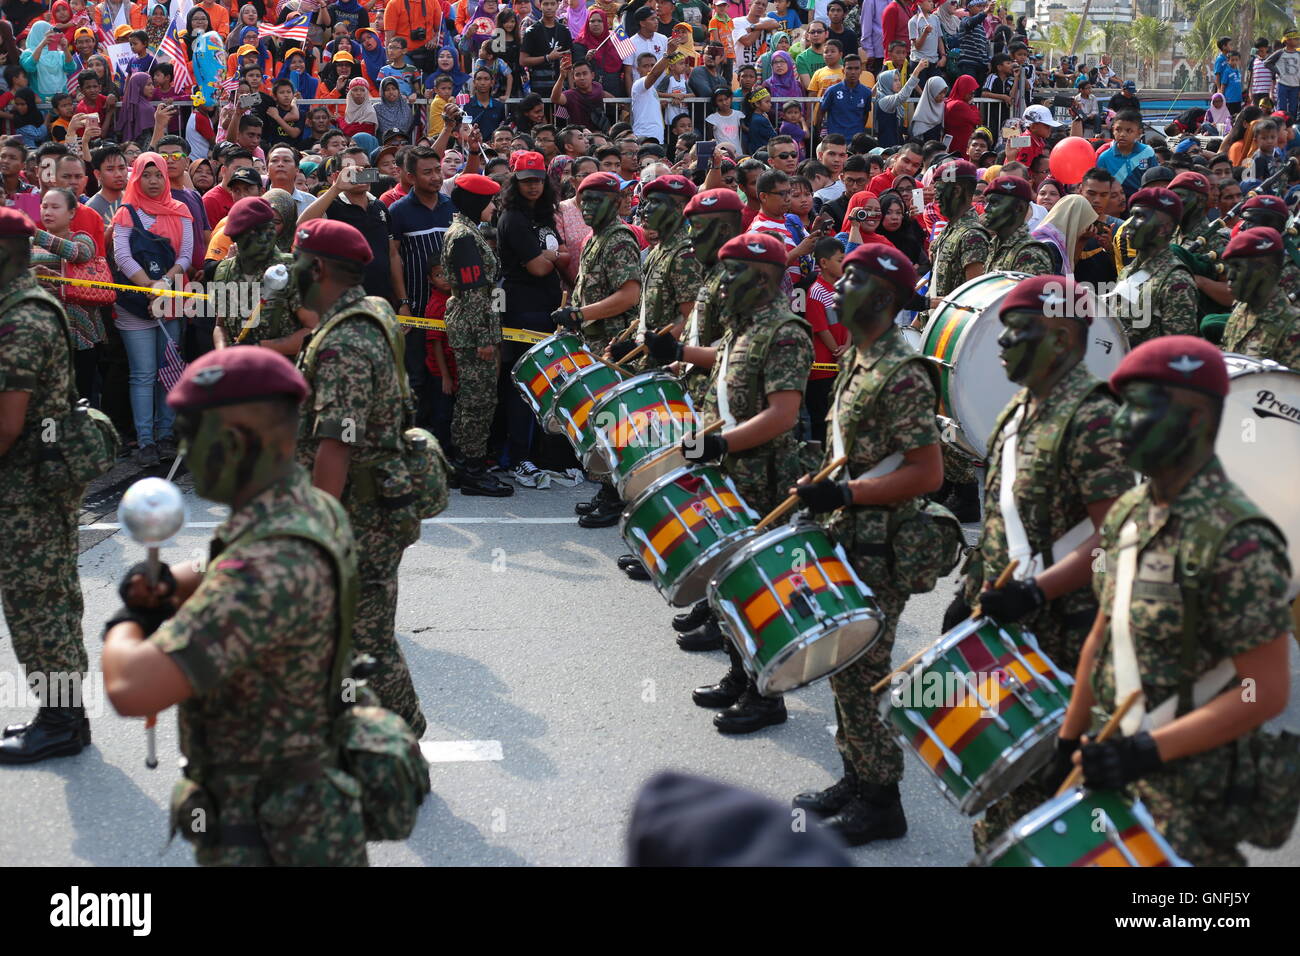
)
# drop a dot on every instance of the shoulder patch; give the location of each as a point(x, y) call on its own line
point(326, 354)
point(901, 385)
point(231, 564)
point(1098, 423)
point(1243, 550)
point(7, 328)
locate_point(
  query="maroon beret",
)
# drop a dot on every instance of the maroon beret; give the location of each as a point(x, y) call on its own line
point(332, 239)
point(1160, 199)
point(1187, 179)
point(241, 373)
point(1010, 186)
point(1267, 202)
point(1259, 241)
point(886, 262)
point(601, 182)
point(754, 247)
point(14, 222)
point(673, 185)
point(956, 169)
point(476, 184)
point(248, 213)
point(713, 200)
point(1182, 360)
point(1053, 296)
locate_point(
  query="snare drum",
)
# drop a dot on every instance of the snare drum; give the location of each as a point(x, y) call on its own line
point(981, 709)
point(1083, 828)
point(1259, 443)
point(634, 419)
point(962, 338)
point(683, 526)
point(574, 402)
point(649, 469)
point(545, 369)
point(795, 608)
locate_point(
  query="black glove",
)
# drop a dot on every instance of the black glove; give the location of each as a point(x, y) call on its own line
point(619, 350)
point(709, 448)
point(1013, 601)
point(664, 349)
point(141, 568)
point(149, 618)
point(567, 318)
point(1117, 762)
point(825, 495)
point(957, 612)
point(1053, 775)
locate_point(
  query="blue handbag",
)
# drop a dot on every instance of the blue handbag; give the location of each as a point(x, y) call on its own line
point(155, 256)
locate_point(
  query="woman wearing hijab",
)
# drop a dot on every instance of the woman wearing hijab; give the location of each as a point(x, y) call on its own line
point(927, 121)
point(596, 45)
point(447, 64)
point(372, 51)
point(359, 115)
point(148, 196)
point(136, 118)
point(887, 118)
point(861, 228)
point(392, 110)
point(1219, 114)
point(299, 71)
point(26, 119)
point(960, 115)
point(780, 43)
point(157, 23)
point(47, 68)
point(902, 230)
point(783, 82)
point(1063, 228)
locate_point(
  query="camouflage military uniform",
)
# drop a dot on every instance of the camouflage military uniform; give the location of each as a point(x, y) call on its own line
point(1289, 283)
point(1019, 252)
point(1067, 457)
point(704, 328)
point(356, 398)
point(38, 562)
point(1171, 298)
point(472, 323)
point(1243, 608)
point(274, 321)
point(1216, 239)
point(886, 402)
point(1272, 333)
point(672, 275)
point(257, 642)
point(609, 259)
point(772, 354)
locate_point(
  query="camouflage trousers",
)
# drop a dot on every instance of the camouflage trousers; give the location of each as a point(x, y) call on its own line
point(861, 736)
point(957, 468)
point(476, 403)
point(999, 817)
point(262, 821)
point(1189, 828)
point(39, 585)
point(382, 536)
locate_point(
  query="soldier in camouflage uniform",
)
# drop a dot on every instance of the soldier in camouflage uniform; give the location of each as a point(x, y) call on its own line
point(251, 224)
point(1271, 211)
point(247, 646)
point(1006, 206)
point(1265, 323)
point(1067, 472)
point(38, 560)
point(1194, 551)
point(1155, 294)
point(767, 354)
point(883, 420)
point(351, 436)
point(474, 331)
point(605, 297)
point(1202, 237)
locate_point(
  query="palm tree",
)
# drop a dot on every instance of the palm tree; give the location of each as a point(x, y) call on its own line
point(1060, 37)
point(1115, 40)
point(1152, 37)
point(1248, 16)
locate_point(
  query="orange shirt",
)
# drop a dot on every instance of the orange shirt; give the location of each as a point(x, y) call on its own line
point(218, 16)
point(401, 17)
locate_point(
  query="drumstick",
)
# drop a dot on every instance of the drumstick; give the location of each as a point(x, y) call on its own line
point(1112, 725)
point(781, 509)
point(1003, 578)
point(640, 348)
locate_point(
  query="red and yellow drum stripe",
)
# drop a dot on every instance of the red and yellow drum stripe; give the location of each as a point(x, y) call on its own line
point(582, 411)
point(637, 422)
point(566, 365)
point(762, 606)
point(1138, 841)
point(941, 345)
point(668, 534)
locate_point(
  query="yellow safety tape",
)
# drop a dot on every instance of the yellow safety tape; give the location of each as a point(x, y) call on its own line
point(510, 335)
point(129, 288)
point(825, 367)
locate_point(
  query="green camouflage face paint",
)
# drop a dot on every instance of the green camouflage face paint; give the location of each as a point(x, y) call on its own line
point(746, 288)
point(661, 213)
point(223, 458)
point(1253, 280)
point(255, 248)
point(865, 301)
point(951, 197)
point(710, 232)
point(1193, 205)
point(1155, 431)
point(1003, 213)
point(599, 209)
point(1029, 350)
point(1145, 228)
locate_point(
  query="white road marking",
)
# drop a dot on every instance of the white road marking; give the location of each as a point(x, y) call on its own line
point(463, 519)
point(452, 751)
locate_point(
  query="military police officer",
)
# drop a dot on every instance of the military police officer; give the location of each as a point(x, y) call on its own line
point(1013, 249)
point(1264, 323)
point(1155, 294)
point(672, 276)
point(251, 223)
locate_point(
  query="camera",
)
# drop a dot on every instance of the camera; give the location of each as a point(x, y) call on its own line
point(858, 215)
point(367, 175)
point(249, 100)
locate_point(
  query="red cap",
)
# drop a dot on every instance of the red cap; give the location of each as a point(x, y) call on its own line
point(527, 164)
point(14, 222)
point(478, 185)
point(332, 239)
point(1182, 360)
point(601, 182)
point(1160, 199)
point(754, 247)
point(955, 169)
point(673, 185)
point(714, 200)
point(248, 213)
point(887, 263)
point(241, 373)
point(1010, 186)
point(1257, 241)
point(1267, 202)
point(1052, 296)
point(1187, 179)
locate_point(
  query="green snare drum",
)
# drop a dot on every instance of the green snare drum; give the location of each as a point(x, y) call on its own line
point(635, 419)
point(981, 708)
point(683, 526)
point(795, 608)
point(1082, 828)
point(545, 369)
point(575, 401)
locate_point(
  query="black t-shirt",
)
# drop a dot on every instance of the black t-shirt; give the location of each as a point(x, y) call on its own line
point(521, 240)
point(848, 40)
point(541, 40)
point(372, 222)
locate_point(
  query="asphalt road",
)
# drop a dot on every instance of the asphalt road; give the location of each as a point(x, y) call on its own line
point(552, 687)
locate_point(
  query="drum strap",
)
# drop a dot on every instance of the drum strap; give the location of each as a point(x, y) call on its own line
point(724, 404)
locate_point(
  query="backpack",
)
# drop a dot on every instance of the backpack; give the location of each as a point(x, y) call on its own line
point(155, 256)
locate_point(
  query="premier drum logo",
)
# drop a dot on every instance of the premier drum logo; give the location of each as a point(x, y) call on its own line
point(1267, 406)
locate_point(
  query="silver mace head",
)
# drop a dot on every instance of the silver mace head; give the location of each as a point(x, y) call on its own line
point(152, 510)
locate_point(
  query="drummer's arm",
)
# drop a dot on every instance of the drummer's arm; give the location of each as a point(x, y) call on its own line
point(781, 415)
point(920, 473)
point(699, 355)
point(628, 295)
point(1078, 715)
point(684, 310)
point(1074, 571)
point(1220, 292)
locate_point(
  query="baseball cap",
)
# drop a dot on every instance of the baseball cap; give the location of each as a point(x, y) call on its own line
point(1130, 85)
point(1041, 114)
point(527, 164)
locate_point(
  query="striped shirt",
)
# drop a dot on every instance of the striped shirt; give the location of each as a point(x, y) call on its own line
point(1261, 77)
point(419, 231)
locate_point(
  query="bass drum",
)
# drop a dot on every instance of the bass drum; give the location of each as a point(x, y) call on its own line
point(962, 339)
point(1259, 443)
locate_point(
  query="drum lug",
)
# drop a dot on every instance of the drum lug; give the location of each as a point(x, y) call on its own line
point(985, 705)
point(1029, 702)
point(950, 758)
point(1065, 679)
point(660, 563)
point(785, 611)
point(1117, 841)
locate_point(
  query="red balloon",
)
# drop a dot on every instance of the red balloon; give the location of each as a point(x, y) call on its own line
point(1070, 159)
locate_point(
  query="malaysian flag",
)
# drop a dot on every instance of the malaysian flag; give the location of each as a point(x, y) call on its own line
point(230, 85)
point(172, 48)
point(74, 78)
point(295, 29)
point(622, 44)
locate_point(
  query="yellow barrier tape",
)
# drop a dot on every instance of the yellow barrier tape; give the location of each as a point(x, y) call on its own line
point(825, 367)
point(510, 335)
point(129, 288)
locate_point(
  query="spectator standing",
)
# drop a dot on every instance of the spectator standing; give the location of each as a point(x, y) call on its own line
point(749, 34)
point(1127, 158)
point(647, 39)
point(1230, 80)
point(484, 110)
point(595, 46)
point(891, 100)
point(830, 337)
point(725, 121)
point(894, 23)
point(1261, 75)
point(349, 201)
point(974, 58)
point(960, 115)
point(1285, 64)
point(54, 244)
point(707, 77)
point(647, 114)
point(927, 120)
point(925, 34)
point(813, 57)
point(545, 43)
point(871, 33)
point(843, 107)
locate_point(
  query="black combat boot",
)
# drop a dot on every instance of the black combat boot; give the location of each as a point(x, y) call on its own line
point(55, 732)
point(726, 691)
point(604, 493)
point(876, 813)
point(751, 712)
point(631, 565)
point(964, 502)
point(832, 800)
point(691, 619)
point(706, 637)
point(609, 508)
point(475, 480)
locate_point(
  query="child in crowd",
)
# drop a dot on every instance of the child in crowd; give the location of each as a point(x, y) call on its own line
point(794, 125)
point(830, 337)
point(440, 360)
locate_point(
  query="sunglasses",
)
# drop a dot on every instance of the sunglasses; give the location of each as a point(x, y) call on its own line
point(173, 155)
point(784, 155)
